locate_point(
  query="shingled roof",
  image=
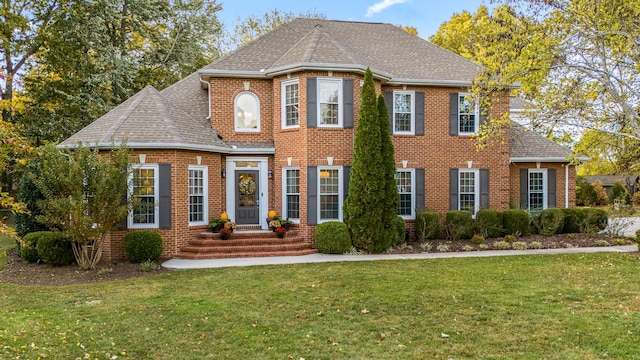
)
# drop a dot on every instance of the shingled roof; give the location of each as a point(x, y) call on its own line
point(307, 44)
point(528, 146)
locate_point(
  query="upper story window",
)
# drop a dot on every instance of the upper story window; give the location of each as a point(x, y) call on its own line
point(468, 114)
point(290, 104)
point(247, 112)
point(144, 189)
point(330, 102)
point(403, 112)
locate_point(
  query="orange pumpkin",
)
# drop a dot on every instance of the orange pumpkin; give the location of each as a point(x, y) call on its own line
point(224, 216)
point(272, 213)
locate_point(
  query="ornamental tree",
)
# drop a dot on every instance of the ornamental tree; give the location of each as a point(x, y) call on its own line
point(387, 171)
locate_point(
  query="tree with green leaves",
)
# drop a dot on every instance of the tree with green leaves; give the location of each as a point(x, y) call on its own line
point(84, 193)
point(387, 172)
point(363, 209)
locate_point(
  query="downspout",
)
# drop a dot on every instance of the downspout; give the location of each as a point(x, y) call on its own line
point(566, 186)
point(208, 95)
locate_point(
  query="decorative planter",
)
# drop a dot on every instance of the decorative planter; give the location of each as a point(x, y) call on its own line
point(224, 235)
point(217, 228)
point(280, 235)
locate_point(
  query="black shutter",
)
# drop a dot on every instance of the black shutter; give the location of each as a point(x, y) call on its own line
point(453, 189)
point(388, 100)
point(312, 103)
point(484, 188)
point(419, 190)
point(164, 191)
point(551, 188)
point(312, 195)
point(347, 99)
point(454, 121)
point(419, 112)
point(524, 189)
point(346, 174)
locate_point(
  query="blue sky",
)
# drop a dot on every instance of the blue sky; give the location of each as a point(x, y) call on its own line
point(425, 15)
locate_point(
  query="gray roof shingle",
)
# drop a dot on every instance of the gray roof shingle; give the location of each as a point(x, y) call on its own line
point(528, 146)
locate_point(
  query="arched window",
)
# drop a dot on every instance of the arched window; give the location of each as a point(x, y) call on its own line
point(247, 112)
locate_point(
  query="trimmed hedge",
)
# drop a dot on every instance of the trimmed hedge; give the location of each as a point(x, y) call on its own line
point(489, 223)
point(572, 219)
point(333, 237)
point(55, 248)
point(28, 250)
point(515, 222)
point(399, 230)
point(459, 224)
point(594, 220)
point(428, 225)
point(550, 222)
point(142, 245)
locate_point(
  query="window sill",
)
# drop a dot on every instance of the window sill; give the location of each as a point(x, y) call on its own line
point(290, 129)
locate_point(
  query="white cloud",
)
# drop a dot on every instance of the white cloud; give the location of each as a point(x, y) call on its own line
point(377, 7)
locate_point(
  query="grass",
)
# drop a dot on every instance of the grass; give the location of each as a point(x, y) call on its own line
point(6, 244)
point(574, 306)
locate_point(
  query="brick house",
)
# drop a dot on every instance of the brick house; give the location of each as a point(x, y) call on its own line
point(271, 126)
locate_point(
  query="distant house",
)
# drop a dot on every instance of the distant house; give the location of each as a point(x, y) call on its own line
point(271, 126)
point(631, 182)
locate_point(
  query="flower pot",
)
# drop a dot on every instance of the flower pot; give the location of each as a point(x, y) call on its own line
point(224, 235)
point(280, 235)
point(217, 228)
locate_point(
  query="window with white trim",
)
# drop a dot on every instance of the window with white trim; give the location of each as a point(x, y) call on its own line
point(144, 190)
point(198, 186)
point(468, 190)
point(247, 112)
point(537, 189)
point(405, 182)
point(291, 193)
point(468, 114)
point(330, 193)
point(290, 104)
point(403, 112)
point(329, 102)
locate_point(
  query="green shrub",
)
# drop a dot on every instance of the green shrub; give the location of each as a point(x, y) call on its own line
point(535, 245)
point(501, 245)
point(400, 231)
point(459, 224)
point(510, 238)
point(28, 250)
point(489, 223)
point(519, 245)
point(515, 222)
point(618, 192)
point(142, 245)
point(55, 248)
point(593, 220)
point(585, 193)
point(147, 266)
point(428, 225)
point(550, 222)
point(572, 219)
point(29, 195)
point(332, 237)
point(477, 239)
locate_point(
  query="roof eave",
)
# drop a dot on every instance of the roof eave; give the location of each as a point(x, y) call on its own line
point(430, 82)
point(175, 146)
point(546, 159)
point(281, 70)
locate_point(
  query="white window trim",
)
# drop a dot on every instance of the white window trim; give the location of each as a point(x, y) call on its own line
point(476, 189)
point(413, 193)
point(340, 192)
point(156, 197)
point(340, 102)
point(476, 114)
point(205, 195)
point(284, 192)
point(235, 113)
point(283, 110)
point(544, 187)
point(413, 113)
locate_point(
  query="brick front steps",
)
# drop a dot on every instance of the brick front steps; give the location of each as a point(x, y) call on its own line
point(245, 243)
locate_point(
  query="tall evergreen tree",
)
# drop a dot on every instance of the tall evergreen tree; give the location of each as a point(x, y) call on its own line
point(388, 171)
point(364, 206)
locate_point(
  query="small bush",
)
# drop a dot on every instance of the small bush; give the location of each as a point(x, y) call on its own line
point(459, 224)
point(519, 245)
point(483, 246)
point(400, 231)
point(55, 248)
point(501, 245)
point(550, 222)
point(477, 239)
point(603, 243)
point(585, 193)
point(515, 222)
point(618, 192)
point(535, 245)
point(468, 248)
point(619, 242)
point(428, 225)
point(28, 250)
point(142, 245)
point(572, 219)
point(603, 198)
point(147, 266)
point(332, 237)
point(594, 220)
point(443, 247)
point(510, 238)
point(426, 246)
point(489, 223)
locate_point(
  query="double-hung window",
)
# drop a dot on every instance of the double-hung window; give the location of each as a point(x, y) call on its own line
point(468, 190)
point(403, 112)
point(291, 196)
point(290, 104)
point(144, 190)
point(330, 193)
point(197, 195)
point(405, 182)
point(468, 114)
point(329, 102)
point(537, 189)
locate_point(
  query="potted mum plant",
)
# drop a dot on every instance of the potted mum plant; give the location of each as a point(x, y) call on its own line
point(280, 231)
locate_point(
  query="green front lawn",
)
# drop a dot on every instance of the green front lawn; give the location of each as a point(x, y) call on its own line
point(6, 244)
point(581, 306)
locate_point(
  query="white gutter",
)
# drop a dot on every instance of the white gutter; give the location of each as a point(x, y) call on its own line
point(566, 186)
point(208, 95)
point(178, 146)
